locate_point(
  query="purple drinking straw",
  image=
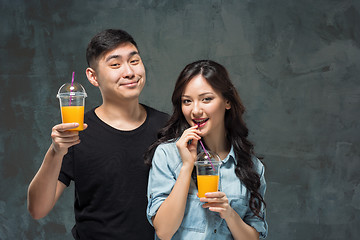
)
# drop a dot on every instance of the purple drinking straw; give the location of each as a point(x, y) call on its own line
point(72, 83)
point(202, 145)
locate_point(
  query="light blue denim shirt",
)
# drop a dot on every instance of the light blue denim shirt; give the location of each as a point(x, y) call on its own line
point(199, 223)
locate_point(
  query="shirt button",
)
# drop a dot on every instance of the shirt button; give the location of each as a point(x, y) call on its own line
point(214, 230)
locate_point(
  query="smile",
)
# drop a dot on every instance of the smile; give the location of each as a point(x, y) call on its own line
point(200, 122)
point(130, 84)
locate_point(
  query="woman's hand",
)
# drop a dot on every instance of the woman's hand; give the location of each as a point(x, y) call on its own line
point(218, 202)
point(187, 150)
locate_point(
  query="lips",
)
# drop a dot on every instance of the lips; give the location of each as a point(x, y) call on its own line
point(200, 122)
point(130, 83)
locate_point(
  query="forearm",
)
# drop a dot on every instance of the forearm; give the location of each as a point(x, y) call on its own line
point(42, 189)
point(239, 229)
point(171, 212)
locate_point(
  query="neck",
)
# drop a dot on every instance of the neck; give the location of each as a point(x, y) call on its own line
point(122, 115)
point(218, 145)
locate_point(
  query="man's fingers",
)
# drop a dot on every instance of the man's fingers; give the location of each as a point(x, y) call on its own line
point(68, 139)
point(65, 127)
point(58, 135)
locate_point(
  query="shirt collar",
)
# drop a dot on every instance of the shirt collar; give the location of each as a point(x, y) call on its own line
point(230, 156)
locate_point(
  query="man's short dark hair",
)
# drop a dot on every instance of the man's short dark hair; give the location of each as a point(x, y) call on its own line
point(105, 41)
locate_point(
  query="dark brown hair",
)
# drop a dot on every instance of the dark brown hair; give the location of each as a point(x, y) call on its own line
point(106, 41)
point(236, 131)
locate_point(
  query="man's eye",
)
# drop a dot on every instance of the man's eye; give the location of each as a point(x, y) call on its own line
point(135, 61)
point(115, 65)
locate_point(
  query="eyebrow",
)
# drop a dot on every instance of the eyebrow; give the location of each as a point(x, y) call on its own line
point(119, 56)
point(205, 93)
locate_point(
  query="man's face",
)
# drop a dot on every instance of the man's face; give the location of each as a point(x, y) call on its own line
point(120, 73)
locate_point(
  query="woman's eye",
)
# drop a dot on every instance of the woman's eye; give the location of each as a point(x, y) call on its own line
point(208, 99)
point(186, 101)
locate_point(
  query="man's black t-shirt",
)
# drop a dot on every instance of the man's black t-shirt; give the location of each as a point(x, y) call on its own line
point(111, 178)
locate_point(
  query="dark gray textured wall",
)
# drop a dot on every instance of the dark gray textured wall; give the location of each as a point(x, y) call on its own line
point(296, 65)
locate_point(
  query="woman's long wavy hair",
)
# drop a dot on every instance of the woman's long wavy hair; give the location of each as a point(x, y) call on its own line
point(236, 130)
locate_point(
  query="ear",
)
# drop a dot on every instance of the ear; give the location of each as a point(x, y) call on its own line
point(227, 105)
point(91, 76)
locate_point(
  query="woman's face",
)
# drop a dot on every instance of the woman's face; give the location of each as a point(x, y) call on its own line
point(204, 106)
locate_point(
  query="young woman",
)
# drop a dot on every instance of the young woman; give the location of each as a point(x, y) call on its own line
point(208, 107)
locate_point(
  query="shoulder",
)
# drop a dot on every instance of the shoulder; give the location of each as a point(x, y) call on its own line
point(154, 113)
point(156, 118)
point(167, 152)
point(90, 114)
point(167, 147)
point(258, 165)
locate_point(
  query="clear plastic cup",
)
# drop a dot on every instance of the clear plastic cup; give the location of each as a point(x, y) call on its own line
point(72, 104)
point(207, 171)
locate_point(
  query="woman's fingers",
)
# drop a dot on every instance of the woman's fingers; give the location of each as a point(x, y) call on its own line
point(187, 145)
point(214, 198)
point(217, 202)
point(187, 137)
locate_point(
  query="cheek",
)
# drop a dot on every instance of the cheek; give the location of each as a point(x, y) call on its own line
point(186, 112)
point(217, 112)
point(140, 70)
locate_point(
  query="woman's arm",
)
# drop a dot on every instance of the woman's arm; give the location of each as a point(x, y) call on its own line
point(239, 229)
point(218, 202)
point(171, 212)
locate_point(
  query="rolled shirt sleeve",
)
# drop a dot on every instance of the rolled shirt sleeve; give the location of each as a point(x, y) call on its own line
point(162, 178)
point(259, 224)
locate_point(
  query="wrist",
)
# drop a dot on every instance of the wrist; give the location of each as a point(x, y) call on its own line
point(232, 216)
point(56, 152)
point(187, 167)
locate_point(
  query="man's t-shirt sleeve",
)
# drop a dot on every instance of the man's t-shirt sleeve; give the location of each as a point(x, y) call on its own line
point(67, 169)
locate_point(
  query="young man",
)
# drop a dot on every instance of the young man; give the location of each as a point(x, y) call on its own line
point(106, 159)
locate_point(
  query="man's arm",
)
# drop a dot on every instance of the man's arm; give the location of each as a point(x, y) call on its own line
point(45, 189)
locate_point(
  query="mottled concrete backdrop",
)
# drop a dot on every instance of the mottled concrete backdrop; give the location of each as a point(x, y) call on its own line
point(296, 64)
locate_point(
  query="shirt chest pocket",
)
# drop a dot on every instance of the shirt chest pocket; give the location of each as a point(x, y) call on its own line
point(194, 217)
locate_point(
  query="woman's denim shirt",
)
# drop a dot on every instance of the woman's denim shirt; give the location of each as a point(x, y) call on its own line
point(200, 223)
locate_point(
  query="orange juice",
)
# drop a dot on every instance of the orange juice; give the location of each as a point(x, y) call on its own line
point(72, 114)
point(207, 183)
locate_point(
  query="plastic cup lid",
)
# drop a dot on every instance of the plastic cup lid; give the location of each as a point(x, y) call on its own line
point(75, 90)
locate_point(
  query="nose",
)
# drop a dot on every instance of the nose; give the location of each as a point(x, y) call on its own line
point(197, 110)
point(128, 71)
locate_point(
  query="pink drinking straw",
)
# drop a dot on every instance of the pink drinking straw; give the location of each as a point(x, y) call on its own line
point(202, 145)
point(72, 83)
